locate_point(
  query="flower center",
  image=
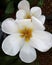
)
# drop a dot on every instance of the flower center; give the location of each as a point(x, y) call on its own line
point(28, 16)
point(26, 34)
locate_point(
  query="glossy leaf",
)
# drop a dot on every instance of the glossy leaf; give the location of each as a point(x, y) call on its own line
point(9, 8)
point(40, 3)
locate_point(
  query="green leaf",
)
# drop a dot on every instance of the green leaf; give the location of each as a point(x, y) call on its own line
point(40, 3)
point(9, 8)
point(7, 0)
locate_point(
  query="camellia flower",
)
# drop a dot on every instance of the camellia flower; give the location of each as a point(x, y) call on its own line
point(25, 36)
point(24, 12)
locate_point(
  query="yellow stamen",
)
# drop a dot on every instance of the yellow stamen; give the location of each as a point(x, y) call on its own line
point(26, 33)
point(28, 16)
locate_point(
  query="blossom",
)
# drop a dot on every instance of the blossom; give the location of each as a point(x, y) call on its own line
point(25, 12)
point(25, 36)
point(26, 33)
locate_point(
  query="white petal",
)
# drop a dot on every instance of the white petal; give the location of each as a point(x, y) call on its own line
point(36, 11)
point(37, 24)
point(24, 23)
point(42, 19)
point(12, 44)
point(20, 14)
point(24, 4)
point(27, 54)
point(42, 41)
point(9, 26)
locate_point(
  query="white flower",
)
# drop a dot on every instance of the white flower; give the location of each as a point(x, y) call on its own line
point(25, 36)
point(24, 12)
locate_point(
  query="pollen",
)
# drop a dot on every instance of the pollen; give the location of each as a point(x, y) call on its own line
point(26, 33)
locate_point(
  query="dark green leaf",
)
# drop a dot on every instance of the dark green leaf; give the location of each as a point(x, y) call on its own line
point(40, 3)
point(7, 0)
point(9, 8)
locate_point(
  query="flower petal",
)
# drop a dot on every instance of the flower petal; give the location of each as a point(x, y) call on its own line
point(9, 26)
point(36, 11)
point(42, 41)
point(24, 4)
point(42, 19)
point(24, 23)
point(20, 14)
point(27, 54)
point(12, 44)
point(37, 24)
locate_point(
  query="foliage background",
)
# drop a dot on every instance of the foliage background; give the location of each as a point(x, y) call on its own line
point(8, 8)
